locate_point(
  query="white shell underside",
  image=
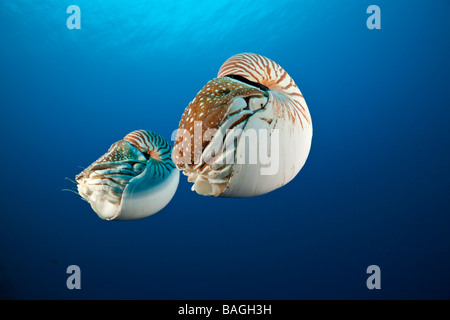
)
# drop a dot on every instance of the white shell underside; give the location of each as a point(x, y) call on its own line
point(288, 153)
point(147, 196)
point(142, 197)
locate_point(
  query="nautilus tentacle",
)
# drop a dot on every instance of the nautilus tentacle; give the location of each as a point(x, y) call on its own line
point(246, 133)
point(134, 179)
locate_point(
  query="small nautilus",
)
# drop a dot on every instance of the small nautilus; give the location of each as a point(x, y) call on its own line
point(253, 103)
point(134, 179)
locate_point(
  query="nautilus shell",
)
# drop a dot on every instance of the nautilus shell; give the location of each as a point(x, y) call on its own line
point(246, 133)
point(134, 179)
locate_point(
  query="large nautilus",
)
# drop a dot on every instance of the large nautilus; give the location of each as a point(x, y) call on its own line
point(134, 179)
point(246, 133)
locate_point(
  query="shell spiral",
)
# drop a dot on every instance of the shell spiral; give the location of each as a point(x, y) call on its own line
point(286, 96)
point(154, 146)
point(253, 99)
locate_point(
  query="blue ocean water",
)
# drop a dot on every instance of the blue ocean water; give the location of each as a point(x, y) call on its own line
point(374, 190)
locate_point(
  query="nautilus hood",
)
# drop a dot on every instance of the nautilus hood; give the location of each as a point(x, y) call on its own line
point(223, 103)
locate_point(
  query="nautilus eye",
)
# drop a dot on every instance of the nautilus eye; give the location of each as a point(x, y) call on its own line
point(134, 179)
point(246, 133)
